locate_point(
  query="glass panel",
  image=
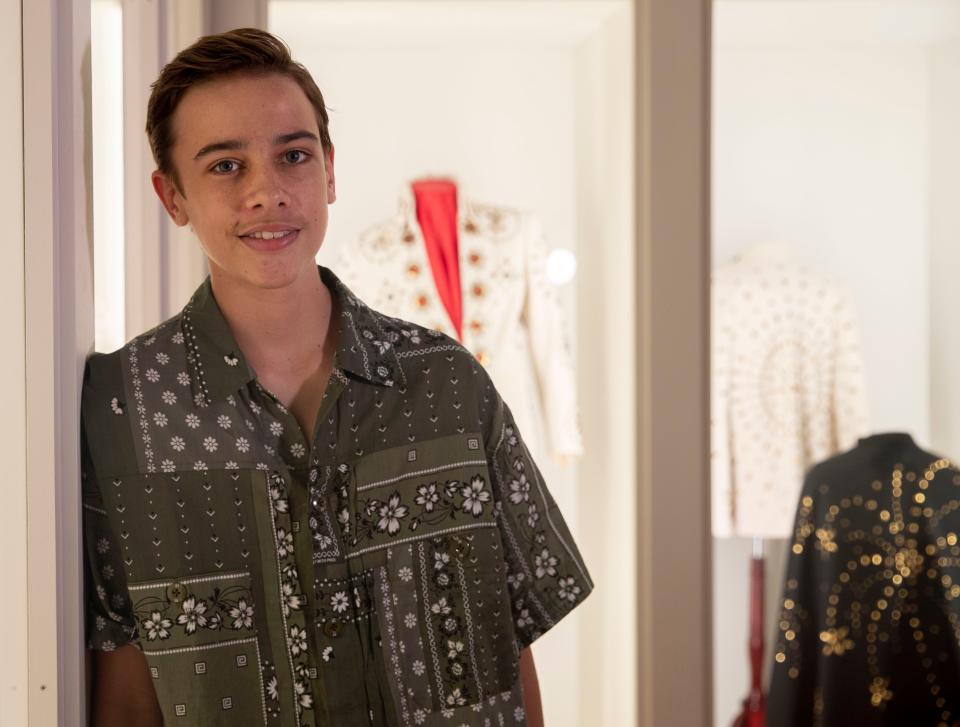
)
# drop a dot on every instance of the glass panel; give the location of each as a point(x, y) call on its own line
point(835, 233)
point(106, 31)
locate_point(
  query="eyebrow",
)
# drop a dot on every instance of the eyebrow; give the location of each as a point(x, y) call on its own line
point(234, 144)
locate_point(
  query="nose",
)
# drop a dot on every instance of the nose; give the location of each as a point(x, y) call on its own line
point(264, 188)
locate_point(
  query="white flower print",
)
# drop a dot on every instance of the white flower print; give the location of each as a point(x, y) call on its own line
point(231, 465)
point(297, 449)
point(242, 444)
point(255, 408)
point(177, 337)
point(427, 496)
point(162, 358)
point(242, 615)
point(391, 514)
point(199, 399)
point(101, 593)
point(101, 623)
point(167, 465)
point(546, 564)
point(292, 601)
point(474, 496)
point(511, 436)
point(284, 543)
point(532, 515)
point(160, 419)
point(410, 620)
point(178, 443)
point(272, 690)
point(454, 649)
point(276, 428)
point(303, 694)
point(456, 698)
point(441, 560)
point(103, 545)
point(210, 444)
point(232, 400)
point(153, 376)
point(568, 589)
point(406, 574)
point(150, 341)
point(297, 640)
point(200, 466)
point(192, 616)
point(518, 464)
point(108, 645)
point(107, 572)
point(169, 397)
point(192, 420)
point(519, 490)
point(343, 517)
point(183, 378)
point(440, 607)
point(327, 653)
point(263, 466)
point(339, 602)
point(519, 714)
point(418, 668)
point(224, 421)
point(156, 626)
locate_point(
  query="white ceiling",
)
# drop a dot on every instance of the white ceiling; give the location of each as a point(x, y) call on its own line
point(432, 22)
point(836, 22)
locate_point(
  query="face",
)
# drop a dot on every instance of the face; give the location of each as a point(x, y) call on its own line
point(255, 182)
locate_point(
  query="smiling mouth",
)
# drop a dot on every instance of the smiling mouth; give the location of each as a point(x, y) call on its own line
point(270, 241)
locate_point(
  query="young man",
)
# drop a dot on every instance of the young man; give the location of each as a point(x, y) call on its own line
point(299, 511)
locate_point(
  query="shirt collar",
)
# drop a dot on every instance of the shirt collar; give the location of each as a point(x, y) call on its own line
point(218, 367)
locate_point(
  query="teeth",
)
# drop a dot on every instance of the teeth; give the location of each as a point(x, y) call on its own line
point(269, 235)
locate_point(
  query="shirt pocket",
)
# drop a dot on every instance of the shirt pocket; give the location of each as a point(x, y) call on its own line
point(426, 515)
point(199, 637)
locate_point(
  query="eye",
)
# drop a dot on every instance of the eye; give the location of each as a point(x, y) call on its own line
point(221, 167)
point(296, 156)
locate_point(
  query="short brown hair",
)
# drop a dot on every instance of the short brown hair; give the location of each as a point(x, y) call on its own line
point(239, 51)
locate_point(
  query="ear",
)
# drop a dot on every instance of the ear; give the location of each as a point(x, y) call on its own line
point(170, 197)
point(331, 178)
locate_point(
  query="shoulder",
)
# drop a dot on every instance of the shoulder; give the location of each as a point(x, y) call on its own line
point(113, 391)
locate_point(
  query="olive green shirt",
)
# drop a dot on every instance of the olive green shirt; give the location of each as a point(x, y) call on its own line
point(385, 570)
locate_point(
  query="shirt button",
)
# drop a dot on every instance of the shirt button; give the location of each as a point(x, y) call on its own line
point(176, 592)
point(333, 628)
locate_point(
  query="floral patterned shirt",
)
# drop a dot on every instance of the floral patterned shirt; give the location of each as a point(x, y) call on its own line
point(386, 570)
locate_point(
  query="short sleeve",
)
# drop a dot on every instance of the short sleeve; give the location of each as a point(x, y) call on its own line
point(546, 575)
point(110, 622)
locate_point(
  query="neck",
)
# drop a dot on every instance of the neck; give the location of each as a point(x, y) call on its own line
point(278, 328)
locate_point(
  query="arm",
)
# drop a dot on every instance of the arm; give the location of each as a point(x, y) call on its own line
point(531, 689)
point(123, 692)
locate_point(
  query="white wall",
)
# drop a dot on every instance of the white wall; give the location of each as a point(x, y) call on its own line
point(605, 369)
point(945, 247)
point(521, 105)
point(823, 140)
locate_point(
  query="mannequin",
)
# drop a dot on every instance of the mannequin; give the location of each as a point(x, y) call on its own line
point(477, 272)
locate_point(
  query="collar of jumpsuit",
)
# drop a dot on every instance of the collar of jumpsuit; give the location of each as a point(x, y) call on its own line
point(388, 572)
